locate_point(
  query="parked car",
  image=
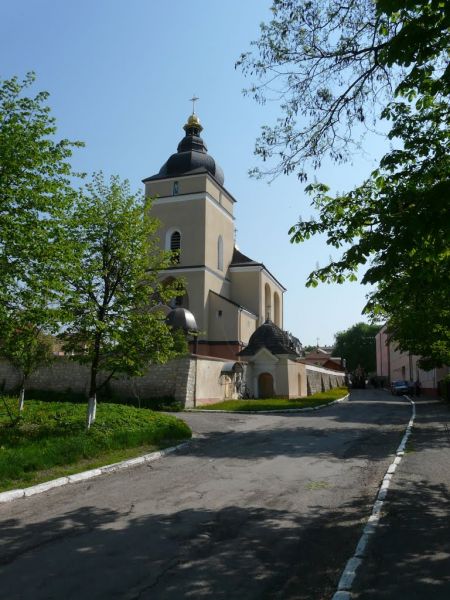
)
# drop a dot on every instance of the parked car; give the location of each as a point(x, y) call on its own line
point(398, 388)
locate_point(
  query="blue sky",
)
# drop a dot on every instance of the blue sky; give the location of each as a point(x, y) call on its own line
point(120, 74)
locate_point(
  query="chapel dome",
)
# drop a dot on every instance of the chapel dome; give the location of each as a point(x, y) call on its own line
point(182, 318)
point(270, 336)
point(192, 155)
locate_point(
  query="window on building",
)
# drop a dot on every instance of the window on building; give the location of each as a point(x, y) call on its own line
point(276, 309)
point(220, 253)
point(267, 302)
point(175, 188)
point(175, 245)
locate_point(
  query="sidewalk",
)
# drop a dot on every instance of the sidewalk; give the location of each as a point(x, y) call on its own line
point(409, 557)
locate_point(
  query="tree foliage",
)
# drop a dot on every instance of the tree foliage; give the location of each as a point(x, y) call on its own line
point(35, 193)
point(35, 186)
point(25, 345)
point(357, 346)
point(114, 284)
point(395, 55)
point(331, 64)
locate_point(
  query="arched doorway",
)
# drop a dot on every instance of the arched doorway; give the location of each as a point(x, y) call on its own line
point(265, 386)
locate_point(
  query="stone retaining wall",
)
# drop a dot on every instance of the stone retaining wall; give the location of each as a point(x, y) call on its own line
point(190, 380)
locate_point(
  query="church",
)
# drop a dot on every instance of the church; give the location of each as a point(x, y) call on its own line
point(229, 294)
point(233, 303)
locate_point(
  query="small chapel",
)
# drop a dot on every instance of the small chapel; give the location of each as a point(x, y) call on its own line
point(229, 294)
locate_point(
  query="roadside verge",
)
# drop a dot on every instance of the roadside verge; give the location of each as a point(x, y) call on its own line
point(83, 476)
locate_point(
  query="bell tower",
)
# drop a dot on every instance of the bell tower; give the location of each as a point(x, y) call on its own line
point(196, 215)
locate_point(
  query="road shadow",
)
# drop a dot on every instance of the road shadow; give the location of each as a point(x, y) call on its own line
point(410, 554)
point(236, 552)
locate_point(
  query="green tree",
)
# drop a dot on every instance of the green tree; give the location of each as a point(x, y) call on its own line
point(35, 193)
point(332, 65)
point(114, 285)
point(397, 221)
point(35, 186)
point(357, 346)
point(25, 345)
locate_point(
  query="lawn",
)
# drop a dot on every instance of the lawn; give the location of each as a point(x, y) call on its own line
point(279, 403)
point(49, 439)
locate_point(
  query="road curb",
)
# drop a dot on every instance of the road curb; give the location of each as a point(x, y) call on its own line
point(267, 412)
point(349, 573)
point(12, 495)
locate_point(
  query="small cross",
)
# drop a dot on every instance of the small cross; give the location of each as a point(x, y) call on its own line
point(193, 100)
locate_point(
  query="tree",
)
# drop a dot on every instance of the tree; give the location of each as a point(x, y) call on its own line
point(331, 64)
point(26, 347)
point(357, 346)
point(397, 221)
point(35, 186)
point(114, 285)
point(35, 193)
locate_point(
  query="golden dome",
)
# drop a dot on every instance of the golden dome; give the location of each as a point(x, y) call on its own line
point(193, 120)
point(193, 123)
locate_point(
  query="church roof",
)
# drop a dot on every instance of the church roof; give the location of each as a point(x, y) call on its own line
point(241, 260)
point(270, 336)
point(191, 157)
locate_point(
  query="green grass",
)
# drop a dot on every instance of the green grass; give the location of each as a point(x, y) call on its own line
point(49, 439)
point(279, 403)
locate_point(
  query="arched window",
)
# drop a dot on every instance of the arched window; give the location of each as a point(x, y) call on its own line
point(276, 309)
point(220, 253)
point(267, 303)
point(175, 245)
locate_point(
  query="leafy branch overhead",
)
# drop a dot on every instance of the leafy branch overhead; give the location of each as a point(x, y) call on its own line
point(331, 65)
point(335, 64)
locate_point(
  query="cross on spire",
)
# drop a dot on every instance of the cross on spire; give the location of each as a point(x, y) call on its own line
point(194, 100)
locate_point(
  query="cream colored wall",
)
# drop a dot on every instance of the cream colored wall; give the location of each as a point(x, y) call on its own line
point(218, 224)
point(294, 370)
point(248, 324)
point(224, 327)
point(287, 373)
point(219, 194)
point(186, 185)
point(245, 290)
point(189, 218)
point(209, 387)
point(265, 279)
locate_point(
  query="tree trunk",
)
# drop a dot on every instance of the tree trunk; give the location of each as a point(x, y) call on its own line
point(92, 402)
point(21, 398)
point(91, 411)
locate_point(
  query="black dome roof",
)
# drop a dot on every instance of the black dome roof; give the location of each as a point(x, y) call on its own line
point(191, 156)
point(182, 318)
point(270, 336)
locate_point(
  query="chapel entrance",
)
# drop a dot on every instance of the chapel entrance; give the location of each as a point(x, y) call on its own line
point(265, 386)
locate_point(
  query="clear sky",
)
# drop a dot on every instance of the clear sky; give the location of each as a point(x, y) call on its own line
point(120, 73)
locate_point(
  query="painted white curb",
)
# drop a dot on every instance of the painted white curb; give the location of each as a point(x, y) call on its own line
point(267, 412)
point(349, 573)
point(77, 477)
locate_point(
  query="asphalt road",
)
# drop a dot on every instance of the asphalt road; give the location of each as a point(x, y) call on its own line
point(259, 506)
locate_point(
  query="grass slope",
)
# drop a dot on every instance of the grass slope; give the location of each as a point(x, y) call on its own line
point(279, 403)
point(49, 440)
